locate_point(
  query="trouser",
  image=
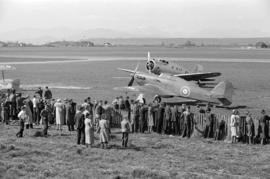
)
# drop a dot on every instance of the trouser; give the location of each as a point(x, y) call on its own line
point(35, 115)
point(173, 128)
point(124, 139)
point(12, 111)
point(70, 127)
point(29, 126)
point(186, 131)
point(207, 131)
point(80, 136)
point(45, 130)
point(20, 133)
point(136, 123)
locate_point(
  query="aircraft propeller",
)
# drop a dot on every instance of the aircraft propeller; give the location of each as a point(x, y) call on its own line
point(133, 76)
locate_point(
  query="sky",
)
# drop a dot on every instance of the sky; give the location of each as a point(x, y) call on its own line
point(135, 18)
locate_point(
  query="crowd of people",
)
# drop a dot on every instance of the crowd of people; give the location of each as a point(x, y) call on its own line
point(133, 116)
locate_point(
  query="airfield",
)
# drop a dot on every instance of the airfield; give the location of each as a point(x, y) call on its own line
point(81, 72)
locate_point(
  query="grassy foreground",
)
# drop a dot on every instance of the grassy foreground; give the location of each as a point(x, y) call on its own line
point(148, 156)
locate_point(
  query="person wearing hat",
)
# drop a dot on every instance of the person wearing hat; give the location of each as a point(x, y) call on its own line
point(23, 117)
point(79, 123)
point(59, 117)
point(262, 123)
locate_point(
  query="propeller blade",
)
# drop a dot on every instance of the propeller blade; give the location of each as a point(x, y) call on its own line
point(131, 81)
point(148, 56)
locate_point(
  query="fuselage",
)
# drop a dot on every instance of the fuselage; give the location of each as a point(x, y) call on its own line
point(163, 66)
point(177, 86)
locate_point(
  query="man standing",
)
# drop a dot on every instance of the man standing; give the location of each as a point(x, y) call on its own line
point(136, 117)
point(174, 120)
point(35, 101)
point(44, 114)
point(70, 113)
point(125, 128)
point(262, 122)
point(79, 122)
point(167, 118)
point(187, 122)
point(47, 93)
point(161, 111)
point(208, 122)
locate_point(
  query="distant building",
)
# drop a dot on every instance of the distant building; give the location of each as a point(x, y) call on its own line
point(261, 45)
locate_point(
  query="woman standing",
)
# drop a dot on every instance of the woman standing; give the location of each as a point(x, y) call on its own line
point(150, 119)
point(89, 130)
point(233, 125)
point(59, 107)
point(103, 131)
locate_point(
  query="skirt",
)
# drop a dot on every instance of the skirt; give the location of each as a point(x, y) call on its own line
point(233, 131)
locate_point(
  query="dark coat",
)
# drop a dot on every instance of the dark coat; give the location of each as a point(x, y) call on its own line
point(79, 121)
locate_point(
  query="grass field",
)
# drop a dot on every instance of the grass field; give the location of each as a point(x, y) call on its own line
point(148, 156)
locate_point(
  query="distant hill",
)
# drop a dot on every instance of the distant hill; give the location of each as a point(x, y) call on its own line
point(115, 37)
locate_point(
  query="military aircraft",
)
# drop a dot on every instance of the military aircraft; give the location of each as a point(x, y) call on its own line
point(168, 86)
point(6, 84)
point(158, 66)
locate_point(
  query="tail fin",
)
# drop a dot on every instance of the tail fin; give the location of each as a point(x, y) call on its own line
point(197, 68)
point(223, 91)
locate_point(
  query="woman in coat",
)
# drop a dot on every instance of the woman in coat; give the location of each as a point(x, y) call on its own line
point(89, 130)
point(59, 107)
point(103, 131)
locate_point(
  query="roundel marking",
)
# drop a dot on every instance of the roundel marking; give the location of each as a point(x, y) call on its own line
point(185, 91)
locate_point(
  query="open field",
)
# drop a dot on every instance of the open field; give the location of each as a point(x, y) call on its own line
point(148, 156)
point(246, 69)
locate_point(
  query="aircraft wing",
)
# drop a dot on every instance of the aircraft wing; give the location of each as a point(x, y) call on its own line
point(147, 88)
point(198, 76)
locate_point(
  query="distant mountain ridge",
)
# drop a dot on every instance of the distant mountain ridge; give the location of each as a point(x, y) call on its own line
point(116, 37)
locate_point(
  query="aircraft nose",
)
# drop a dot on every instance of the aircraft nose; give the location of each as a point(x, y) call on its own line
point(150, 65)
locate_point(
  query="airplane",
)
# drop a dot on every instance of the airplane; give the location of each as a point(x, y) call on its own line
point(168, 86)
point(6, 84)
point(158, 66)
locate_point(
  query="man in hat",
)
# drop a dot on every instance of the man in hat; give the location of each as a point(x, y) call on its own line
point(80, 126)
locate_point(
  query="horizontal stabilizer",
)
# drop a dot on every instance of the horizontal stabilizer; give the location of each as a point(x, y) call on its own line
point(223, 91)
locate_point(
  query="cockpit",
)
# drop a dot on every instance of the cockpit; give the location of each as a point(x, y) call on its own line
point(164, 61)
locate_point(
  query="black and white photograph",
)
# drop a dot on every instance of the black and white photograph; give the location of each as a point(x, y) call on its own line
point(140, 89)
